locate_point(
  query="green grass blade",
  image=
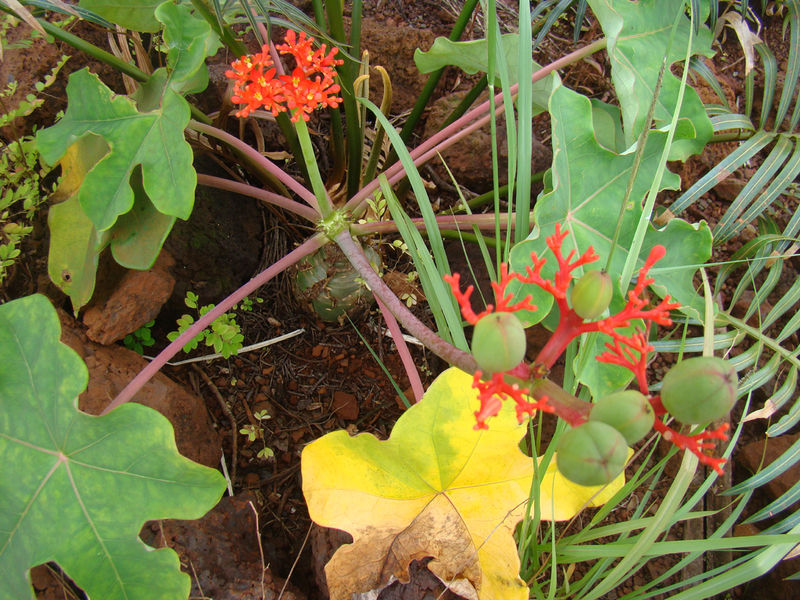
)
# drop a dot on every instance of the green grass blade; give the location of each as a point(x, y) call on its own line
point(646, 539)
point(758, 378)
point(786, 500)
point(440, 300)
point(525, 115)
point(759, 564)
point(727, 226)
point(725, 121)
point(729, 164)
point(580, 14)
point(777, 186)
point(792, 67)
point(770, 81)
point(786, 422)
point(697, 65)
point(784, 303)
point(780, 465)
point(722, 341)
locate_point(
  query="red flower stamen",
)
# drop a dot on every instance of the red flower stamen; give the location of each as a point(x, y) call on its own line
point(630, 352)
point(493, 392)
point(502, 297)
point(697, 444)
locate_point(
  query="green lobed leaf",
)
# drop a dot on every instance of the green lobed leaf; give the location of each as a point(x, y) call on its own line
point(138, 15)
point(638, 40)
point(77, 488)
point(586, 184)
point(75, 244)
point(143, 131)
point(153, 139)
point(139, 234)
point(189, 40)
point(473, 56)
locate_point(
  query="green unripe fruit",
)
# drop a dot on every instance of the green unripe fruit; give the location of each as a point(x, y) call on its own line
point(591, 294)
point(700, 389)
point(592, 454)
point(498, 342)
point(328, 283)
point(628, 412)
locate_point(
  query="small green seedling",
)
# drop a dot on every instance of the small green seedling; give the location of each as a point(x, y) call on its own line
point(140, 339)
point(224, 335)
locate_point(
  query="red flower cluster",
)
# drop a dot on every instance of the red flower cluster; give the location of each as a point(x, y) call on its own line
point(491, 393)
point(628, 350)
point(309, 86)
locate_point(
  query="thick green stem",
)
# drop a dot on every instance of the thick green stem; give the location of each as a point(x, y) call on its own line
point(310, 161)
point(347, 76)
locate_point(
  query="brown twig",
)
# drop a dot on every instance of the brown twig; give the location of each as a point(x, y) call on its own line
point(228, 413)
point(297, 558)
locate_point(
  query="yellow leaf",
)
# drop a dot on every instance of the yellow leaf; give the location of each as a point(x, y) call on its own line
point(436, 488)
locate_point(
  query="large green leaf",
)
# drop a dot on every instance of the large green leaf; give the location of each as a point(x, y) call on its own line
point(586, 185)
point(138, 15)
point(473, 56)
point(139, 234)
point(146, 131)
point(75, 244)
point(638, 40)
point(152, 139)
point(76, 488)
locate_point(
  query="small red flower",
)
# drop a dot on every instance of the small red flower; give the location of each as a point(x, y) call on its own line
point(309, 86)
point(491, 394)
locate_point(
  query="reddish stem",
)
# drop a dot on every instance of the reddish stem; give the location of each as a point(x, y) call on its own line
point(221, 183)
point(308, 247)
point(402, 350)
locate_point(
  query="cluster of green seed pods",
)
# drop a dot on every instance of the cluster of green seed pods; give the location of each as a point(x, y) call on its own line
point(595, 452)
point(695, 391)
point(592, 454)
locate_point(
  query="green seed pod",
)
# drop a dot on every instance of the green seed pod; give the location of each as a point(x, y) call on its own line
point(591, 294)
point(628, 412)
point(328, 283)
point(498, 342)
point(592, 454)
point(700, 389)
